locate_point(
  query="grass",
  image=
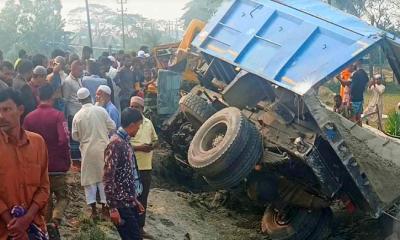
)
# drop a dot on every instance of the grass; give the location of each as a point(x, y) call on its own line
point(392, 125)
point(89, 230)
point(390, 102)
point(391, 97)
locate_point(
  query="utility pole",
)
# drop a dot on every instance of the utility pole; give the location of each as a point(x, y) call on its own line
point(176, 29)
point(89, 26)
point(122, 2)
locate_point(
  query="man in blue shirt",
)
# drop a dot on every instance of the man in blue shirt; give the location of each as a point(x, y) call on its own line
point(93, 81)
point(358, 84)
point(103, 98)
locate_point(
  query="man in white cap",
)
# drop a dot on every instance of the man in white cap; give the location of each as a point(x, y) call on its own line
point(141, 54)
point(103, 99)
point(30, 90)
point(112, 73)
point(143, 144)
point(91, 127)
point(377, 89)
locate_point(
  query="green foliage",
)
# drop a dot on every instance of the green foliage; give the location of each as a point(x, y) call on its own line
point(392, 88)
point(202, 10)
point(333, 85)
point(89, 230)
point(392, 125)
point(33, 25)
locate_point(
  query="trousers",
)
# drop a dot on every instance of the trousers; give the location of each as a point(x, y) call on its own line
point(91, 191)
point(129, 227)
point(58, 188)
point(145, 178)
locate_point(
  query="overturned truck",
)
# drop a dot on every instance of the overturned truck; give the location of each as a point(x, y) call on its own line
point(258, 119)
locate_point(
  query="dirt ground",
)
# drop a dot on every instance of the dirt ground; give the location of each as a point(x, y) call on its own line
point(177, 213)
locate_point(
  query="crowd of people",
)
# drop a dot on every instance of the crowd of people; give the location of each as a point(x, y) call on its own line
point(350, 100)
point(68, 112)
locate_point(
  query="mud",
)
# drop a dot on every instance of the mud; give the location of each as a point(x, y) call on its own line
point(184, 216)
point(377, 156)
point(177, 213)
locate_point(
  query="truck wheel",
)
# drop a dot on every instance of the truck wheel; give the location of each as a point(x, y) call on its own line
point(390, 228)
point(294, 224)
point(243, 164)
point(219, 142)
point(196, 109)
point(324, 227)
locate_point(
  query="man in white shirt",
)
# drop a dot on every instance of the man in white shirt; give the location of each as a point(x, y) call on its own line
point(91, 126)
point(377, 89)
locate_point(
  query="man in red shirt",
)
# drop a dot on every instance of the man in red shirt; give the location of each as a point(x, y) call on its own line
point(52, 126)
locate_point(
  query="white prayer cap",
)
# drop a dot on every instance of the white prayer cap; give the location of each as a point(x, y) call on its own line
point(83, 93)
point(104, 88)
point(141, 54)
point(377, 76)
point(112, 58)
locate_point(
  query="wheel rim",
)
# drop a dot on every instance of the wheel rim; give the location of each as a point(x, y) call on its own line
point(281, 219)
point(214, 136)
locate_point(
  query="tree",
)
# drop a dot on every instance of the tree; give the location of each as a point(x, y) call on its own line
point(34, 25)
point(107, 28)
point(383, 14)
point(202, 10)
point(8, 27)
point(354, 7)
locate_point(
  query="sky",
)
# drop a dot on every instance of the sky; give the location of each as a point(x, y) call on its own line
point(154, 9)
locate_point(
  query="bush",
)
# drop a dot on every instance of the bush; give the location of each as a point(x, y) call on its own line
point(392, 125)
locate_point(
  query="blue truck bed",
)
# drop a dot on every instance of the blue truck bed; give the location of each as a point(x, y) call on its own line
point(295, 44)
point(298, 45)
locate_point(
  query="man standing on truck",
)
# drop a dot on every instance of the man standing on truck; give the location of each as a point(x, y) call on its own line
point(358, 84)
point(377, 89)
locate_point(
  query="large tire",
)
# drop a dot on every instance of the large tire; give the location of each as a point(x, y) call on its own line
point(301, 224)
point(389, 227)
point(324, 227)
point(219, 142)
point(196, 109)
point(243, 165)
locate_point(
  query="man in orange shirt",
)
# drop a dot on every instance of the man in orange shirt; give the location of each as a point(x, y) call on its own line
point(345, 75)
point(24, 181)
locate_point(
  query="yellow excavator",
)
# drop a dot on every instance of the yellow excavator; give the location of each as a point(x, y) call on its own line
point(178, 57)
